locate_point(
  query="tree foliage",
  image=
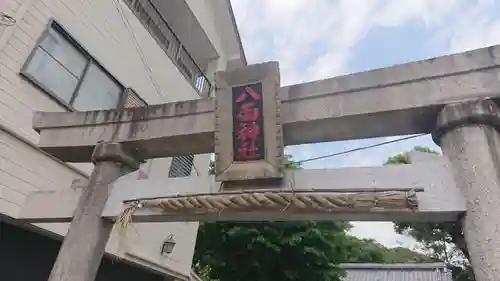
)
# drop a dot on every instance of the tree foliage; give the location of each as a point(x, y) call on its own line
point(404, 158)
point(203, 272)
point(269, 251)
point(241, 251)
point(443, 241)
point(370, 251)
point(405, 255)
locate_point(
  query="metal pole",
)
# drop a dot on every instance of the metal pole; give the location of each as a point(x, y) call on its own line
point(81, 252)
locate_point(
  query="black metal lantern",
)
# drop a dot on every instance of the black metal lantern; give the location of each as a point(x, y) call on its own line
point(168, 245)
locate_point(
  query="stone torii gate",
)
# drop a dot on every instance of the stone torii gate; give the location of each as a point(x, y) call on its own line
point(247, 125)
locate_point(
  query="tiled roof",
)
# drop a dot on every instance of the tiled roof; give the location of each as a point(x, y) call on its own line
point(396, 272)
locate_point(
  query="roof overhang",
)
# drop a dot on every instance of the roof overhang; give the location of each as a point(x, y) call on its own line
point(187, 28)
point(212, 34)
point(237, 33)
point(229, 34)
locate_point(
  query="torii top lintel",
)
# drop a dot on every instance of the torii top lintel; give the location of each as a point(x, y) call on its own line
point(398, 100)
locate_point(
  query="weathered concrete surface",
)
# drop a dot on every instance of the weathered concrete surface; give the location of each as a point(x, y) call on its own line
point(403, 99)
point(83, 247)
point(271, 167)
point(67, 200)
point(440, 200)
point(50, 206)
point(469, 137)
point(158, 130)
point(418, 157)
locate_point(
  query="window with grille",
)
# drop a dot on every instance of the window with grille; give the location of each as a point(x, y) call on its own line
point(62, 68)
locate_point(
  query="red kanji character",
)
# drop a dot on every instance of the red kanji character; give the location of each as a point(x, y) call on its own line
point(248, 131)
point(245, 153)
point(250, 91)
point(247, 113)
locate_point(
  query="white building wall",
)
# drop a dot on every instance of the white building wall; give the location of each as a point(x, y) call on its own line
point(99, 27)
point(205, 16)
point(214, 18)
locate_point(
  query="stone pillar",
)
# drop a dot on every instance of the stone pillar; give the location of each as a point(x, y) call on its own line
point(468, 133)
point(83, 247)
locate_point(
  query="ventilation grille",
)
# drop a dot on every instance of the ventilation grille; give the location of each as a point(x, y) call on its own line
point(181, 166)
point(133, 99)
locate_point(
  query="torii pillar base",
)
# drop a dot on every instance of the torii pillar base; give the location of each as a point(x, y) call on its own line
point(81, 252)
point(468, 133)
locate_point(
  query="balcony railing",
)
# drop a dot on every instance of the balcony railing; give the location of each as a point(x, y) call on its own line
point(152, 20)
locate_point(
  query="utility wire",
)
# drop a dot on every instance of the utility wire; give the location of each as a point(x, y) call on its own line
point(356, 149)
point(127, 25)
point(143, 58)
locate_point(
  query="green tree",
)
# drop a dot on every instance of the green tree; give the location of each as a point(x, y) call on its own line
point(404, 158)
point(363, 250)
point(369, 251)
point(305, 250)
point(271, 250)
point(405, 255)
point(443, 241)
point(203, 272)
point(241, 251)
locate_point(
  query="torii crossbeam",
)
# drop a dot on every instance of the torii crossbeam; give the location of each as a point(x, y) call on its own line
point(247, 125)
point(400, 100)
point(431, 180)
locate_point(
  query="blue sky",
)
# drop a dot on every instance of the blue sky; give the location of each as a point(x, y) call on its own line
point(315, 39)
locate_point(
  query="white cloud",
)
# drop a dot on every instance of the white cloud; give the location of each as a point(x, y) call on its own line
point(431, 12)
point(476, 28)
point(294, 29)
point(314, 39)
point(382, 232)
point(323, 32)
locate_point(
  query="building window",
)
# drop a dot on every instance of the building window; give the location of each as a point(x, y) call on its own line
point(63, 69)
